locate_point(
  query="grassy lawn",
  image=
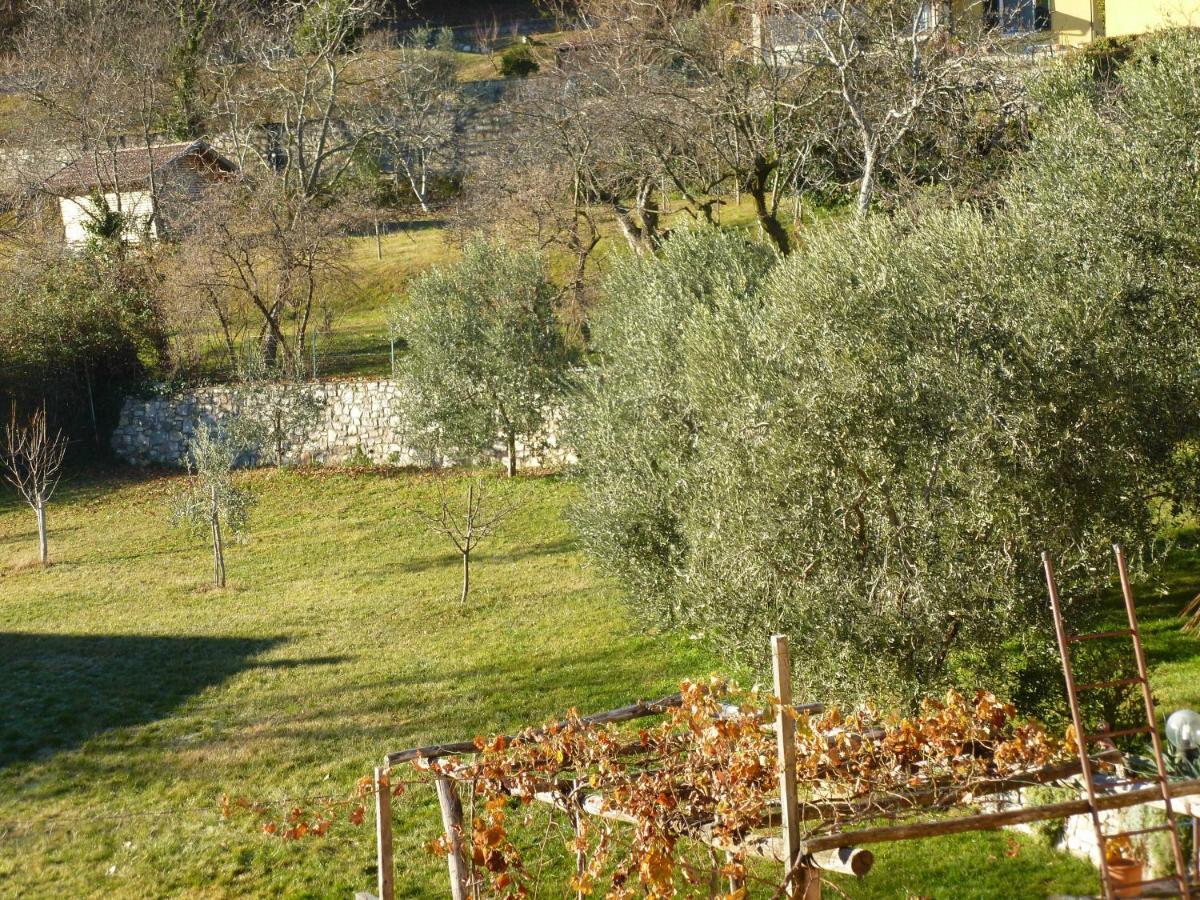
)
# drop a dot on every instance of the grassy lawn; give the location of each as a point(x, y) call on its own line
point(132, 695)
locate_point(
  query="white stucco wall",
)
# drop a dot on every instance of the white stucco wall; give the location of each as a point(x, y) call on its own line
point(136, 206)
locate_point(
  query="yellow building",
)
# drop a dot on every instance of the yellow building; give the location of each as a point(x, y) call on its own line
point(1123, 17)
point(1075, 22)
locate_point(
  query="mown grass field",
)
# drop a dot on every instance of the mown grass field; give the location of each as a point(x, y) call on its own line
point(133, 695)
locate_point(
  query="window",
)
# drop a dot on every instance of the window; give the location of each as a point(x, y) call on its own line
point(1016, 16)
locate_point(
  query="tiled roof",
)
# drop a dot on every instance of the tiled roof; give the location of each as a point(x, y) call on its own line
point(130, 167)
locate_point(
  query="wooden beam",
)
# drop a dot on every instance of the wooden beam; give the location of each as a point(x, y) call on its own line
point(937, 797)
point(623, 714)
point(991, 821)
point(638, 710)
point(452, 822)
point(847, 860)
point(383, 835)
point(799, 878)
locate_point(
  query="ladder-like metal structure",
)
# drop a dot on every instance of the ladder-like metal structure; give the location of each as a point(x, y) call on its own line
point(1178, 884)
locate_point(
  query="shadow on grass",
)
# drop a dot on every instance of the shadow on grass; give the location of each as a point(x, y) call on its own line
point(57, 691)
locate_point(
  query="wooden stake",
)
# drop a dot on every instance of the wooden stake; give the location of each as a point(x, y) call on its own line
point(452, 822)
point(579, 827)
point(802, 881)
point(383, 834)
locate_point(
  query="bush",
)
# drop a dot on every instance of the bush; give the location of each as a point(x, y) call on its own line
point(518, 62)
point(76, 332)
point(1105, 56)
point(868, 444)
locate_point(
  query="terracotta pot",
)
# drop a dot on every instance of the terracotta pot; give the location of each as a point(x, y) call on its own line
point(1125, 875)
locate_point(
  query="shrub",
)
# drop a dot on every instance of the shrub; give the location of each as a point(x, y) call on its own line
point(518, 62)
point(75, 334)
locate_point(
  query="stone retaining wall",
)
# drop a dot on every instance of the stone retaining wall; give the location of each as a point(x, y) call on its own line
point(350, 420)
point(1078, 835)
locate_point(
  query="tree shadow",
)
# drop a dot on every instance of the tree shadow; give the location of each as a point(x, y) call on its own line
point(58, 691)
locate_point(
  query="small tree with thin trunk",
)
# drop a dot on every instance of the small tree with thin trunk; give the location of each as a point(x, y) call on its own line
point(278, 412)
point(211, 503)
point(31, 460)
point(468, 526)
point(486, 356)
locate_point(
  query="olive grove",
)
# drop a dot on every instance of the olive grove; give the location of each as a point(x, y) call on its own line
point(867, 445)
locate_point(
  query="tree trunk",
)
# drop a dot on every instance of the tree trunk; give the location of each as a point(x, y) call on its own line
point(767, 212)
point(512, 454)
point(466, 575)
point(631, 230)
point(87, 377)
point(218, 549)
point(867, 187)
point(43, 546)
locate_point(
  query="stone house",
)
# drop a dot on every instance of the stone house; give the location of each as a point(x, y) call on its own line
point(135, 182)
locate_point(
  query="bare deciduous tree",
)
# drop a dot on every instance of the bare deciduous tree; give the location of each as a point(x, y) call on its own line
point(893, 67)
point(468, 526)
point(31, 461)
point(663, 98)
point(655, 98)
point(308, 103)
point(413, 112)
point(259, 253)
point(109, 77)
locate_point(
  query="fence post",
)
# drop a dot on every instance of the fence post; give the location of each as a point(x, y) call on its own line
point(802, 882)
point(452, 822)
point(383, 834)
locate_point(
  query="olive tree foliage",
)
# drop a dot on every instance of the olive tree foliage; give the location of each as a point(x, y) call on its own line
point(486, 356)
point(868, 446)
point(278, 410)
point(211, 503)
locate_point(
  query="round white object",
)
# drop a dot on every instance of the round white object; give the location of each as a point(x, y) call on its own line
point(1183, 729)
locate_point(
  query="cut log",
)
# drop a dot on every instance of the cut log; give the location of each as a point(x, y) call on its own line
point(846, 860)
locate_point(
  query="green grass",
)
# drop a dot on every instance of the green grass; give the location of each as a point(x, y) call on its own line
point(133, 695)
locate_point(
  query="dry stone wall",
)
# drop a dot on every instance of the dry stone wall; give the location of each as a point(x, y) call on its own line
point(353, 420)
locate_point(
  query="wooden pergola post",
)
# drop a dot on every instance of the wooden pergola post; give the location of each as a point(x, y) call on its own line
point(803, 882)
point(452, 822)
point(383, 834)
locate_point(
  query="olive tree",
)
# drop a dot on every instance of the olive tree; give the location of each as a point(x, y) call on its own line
point(868, 446)
point(210, 502)
point(486, 357)
point(278, 410)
